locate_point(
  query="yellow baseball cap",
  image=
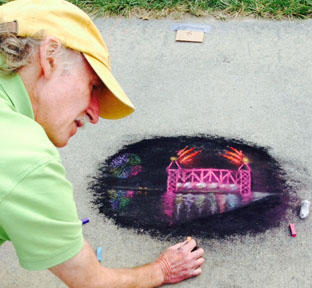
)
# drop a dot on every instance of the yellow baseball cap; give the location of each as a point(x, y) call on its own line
point(75, 30)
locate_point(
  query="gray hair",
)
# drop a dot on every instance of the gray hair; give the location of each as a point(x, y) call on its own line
point(16, 52)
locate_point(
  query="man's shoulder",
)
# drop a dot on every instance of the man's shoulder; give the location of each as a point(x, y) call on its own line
point(24, 146)
point(21, 133)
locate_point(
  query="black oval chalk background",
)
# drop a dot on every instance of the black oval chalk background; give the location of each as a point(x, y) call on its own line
point(130, 188)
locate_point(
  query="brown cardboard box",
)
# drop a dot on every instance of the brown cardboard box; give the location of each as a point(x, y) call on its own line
point(190, 36)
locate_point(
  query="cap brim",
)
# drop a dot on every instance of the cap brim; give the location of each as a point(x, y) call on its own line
point(114, 103)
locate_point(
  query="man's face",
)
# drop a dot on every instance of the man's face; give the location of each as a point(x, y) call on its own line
point(65, 98)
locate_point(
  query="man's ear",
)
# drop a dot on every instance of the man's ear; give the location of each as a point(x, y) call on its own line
point(48, 54)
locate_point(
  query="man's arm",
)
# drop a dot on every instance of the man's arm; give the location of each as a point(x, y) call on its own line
point(174, 265)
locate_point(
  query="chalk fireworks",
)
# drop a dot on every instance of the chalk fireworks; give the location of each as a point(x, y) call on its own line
point(185, 156)
point(236, 157)
point(125, 165)
point(119, 199)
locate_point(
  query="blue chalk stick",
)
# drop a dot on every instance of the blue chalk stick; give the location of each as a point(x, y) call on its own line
point(99, 253)
point(85, 220)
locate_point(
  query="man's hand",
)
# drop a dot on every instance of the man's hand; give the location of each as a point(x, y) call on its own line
point(174, 265)
point(181, 262)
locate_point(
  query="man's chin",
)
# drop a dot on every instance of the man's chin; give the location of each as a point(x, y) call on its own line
point(59, 143)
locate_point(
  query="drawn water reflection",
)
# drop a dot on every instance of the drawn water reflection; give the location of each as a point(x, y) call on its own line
point(174, 208)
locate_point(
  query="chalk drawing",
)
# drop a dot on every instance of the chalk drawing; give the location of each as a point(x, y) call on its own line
point(202, 185)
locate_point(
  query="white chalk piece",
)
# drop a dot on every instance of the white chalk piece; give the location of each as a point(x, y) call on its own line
point(305, 209)
point(191, 27)
point(190, 36)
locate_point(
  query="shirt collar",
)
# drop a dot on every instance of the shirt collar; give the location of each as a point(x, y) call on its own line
point(16, 92)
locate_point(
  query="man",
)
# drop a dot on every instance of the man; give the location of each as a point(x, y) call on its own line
point(55, 75)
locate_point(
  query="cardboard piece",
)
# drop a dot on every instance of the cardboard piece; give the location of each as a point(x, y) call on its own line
point(190, 36)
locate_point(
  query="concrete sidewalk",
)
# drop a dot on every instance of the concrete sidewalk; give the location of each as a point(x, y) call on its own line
point(249, 79)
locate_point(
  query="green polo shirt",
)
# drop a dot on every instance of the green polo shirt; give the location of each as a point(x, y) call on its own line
point(37, 209)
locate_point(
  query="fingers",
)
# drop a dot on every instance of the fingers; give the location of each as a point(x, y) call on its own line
point(198, 253)
point(198, 263)
point(190, 245)
point(197, 272)
point(187, 245)
point(181, 261)
point(179, 245)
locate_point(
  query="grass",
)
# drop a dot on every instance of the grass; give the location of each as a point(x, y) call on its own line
point(268, 9)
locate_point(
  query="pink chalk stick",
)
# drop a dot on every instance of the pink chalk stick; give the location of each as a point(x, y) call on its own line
point(292, 230)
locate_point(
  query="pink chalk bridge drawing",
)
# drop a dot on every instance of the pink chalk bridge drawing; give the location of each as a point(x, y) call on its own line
point(209, 180)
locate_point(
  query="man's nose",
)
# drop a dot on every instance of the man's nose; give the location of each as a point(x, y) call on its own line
point(93, 111)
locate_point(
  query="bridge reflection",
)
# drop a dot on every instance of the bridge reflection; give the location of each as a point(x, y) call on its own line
point(176, 208)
